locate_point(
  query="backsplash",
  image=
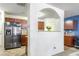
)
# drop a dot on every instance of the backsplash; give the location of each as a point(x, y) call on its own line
point(69, 33)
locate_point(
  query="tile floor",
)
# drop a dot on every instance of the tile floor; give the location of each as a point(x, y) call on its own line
point(13, 52)
point(69, 51)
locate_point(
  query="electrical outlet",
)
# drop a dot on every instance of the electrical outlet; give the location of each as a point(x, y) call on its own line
point(54, 47)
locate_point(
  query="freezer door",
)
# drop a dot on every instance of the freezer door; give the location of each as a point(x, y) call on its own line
point(8, 37)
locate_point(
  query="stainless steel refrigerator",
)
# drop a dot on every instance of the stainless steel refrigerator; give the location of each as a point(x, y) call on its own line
point(12, 35)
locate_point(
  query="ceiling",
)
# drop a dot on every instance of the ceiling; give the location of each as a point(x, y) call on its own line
point(70, 9)
point(14, 8)
point(20, 9)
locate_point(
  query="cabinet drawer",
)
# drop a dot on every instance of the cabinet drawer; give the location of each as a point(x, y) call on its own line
point(69, 40)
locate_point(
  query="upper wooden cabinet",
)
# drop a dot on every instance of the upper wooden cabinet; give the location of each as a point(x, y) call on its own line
point(40, 26)
point(14, 20)
point(9, 20)
point(70, 25)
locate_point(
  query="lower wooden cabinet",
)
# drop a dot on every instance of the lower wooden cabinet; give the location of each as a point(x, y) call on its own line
point(69, 40)
point(24, 40)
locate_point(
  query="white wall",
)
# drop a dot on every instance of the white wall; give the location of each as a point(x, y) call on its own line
point(1, 29)
point(43, 43)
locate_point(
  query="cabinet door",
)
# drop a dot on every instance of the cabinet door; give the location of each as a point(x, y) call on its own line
point(40, 26)
point(70, 24)
point(9, 20)
point(69, 40)
point(24, 40)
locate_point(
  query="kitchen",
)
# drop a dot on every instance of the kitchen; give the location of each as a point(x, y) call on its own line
point(13, 29)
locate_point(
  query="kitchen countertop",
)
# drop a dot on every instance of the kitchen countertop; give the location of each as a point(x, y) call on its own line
point(69, 35)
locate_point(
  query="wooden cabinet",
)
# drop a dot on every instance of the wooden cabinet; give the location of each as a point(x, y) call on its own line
point(24, 36)
point(9, 20)
point(70, 25)
point(24, 40)
point(40, 26)
point(69, 40)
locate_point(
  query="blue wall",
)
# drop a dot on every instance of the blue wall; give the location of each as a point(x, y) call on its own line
point(77, 26)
